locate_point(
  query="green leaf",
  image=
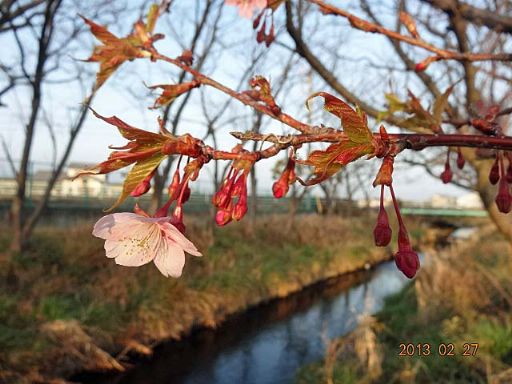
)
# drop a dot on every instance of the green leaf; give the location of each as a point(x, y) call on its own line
point(138, 173)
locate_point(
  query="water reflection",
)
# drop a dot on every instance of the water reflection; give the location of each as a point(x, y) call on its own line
point(268, 344)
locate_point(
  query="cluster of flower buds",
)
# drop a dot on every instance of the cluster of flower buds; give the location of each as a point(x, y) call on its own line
point(260, 24)
point(447, 174)
point(179, 192)
point(406, 259)
point(234, 187)
point(503, 177)
point(288, 177)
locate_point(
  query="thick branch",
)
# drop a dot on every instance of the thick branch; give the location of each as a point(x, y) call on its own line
point(491, 20)
point(440, 54)
point(412, 141)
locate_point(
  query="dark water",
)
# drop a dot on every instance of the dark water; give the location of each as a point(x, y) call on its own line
point(267, 344)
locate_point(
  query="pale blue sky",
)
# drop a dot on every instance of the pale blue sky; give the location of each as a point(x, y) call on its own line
point(360, 50)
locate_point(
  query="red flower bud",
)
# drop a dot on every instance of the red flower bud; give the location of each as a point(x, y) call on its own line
point(173, 188)
point(447, 174)
point(460, 159)
point(240, 208)
point(223, 217)
point(260, 36)
point(503, 198)
point(382, 231)
point(142, 188)
point(408, 262)
point(420, 67)
point(186, 194)
point(280, 187)
point(494, 174)
point(240, 186)
point(220, 198)
point(404, 244)
point(223, 196)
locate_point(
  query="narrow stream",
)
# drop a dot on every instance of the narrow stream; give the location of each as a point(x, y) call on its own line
point(267, 344)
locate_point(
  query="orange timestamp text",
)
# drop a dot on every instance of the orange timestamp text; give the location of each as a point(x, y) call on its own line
point(441, 349)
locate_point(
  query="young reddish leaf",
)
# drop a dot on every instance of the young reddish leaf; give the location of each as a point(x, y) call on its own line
point(118, 160)
point(172, 91)
point(327, 163)
point(421, 120)
point(146, 150)
point(115, 51)
point(131, 133)
point(426, 118)
point(186, 57)
point(355, 124)
point(262, 86)
point(409, 23)
point(137, 174)
point(112, 54)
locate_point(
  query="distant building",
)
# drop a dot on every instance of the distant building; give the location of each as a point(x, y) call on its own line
point(95, 186)
point(442, 201)
point(470, 201)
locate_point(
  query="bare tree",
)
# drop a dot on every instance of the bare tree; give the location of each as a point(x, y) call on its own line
point(468, 28)
point(54, 29)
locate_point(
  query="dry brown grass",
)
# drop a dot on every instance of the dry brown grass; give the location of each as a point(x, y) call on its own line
point(460, 279)
point(64, 276)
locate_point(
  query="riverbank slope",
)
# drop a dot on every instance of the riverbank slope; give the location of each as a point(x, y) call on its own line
point(71, 309)
point(453, 324)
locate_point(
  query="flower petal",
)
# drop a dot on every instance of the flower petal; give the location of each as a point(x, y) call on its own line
point(114, 226)
point(170, 259)
point(176, 236)
point(137, 249)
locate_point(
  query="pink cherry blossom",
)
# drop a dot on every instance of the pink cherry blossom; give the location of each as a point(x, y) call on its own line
point(134, 240)
point(246, 7)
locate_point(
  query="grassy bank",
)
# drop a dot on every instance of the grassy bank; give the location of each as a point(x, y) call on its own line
point(462, 296)
point(69, 305)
